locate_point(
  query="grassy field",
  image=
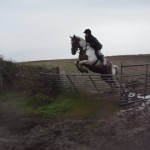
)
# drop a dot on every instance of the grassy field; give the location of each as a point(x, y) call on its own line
point(66, 105)
point(72, 121)
point(71, 104)
point(67, 65)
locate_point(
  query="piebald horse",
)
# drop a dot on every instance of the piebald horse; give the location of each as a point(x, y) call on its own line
point(88, 60)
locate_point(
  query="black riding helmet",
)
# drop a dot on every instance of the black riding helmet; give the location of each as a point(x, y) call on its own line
point(88, 31)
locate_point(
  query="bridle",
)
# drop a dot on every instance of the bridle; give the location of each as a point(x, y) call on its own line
point(84, 48)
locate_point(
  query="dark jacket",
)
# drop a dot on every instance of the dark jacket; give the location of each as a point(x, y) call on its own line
point(94, 43)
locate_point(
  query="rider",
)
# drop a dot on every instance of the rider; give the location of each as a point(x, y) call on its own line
point(94, 43)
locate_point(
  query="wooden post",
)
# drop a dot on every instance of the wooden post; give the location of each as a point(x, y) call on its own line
point(145, 91)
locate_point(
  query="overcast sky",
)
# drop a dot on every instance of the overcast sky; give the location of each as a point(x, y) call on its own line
point(40, 29)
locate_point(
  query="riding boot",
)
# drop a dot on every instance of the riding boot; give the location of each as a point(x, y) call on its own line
point(101, 58)
point(97, 55)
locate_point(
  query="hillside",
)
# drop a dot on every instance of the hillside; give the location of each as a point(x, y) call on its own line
point(68, 64)
point(92, 124)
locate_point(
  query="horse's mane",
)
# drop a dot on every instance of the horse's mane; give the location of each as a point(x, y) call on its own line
point(80, 38)
point(82, 41)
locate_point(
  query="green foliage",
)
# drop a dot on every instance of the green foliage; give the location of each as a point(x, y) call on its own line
point(45, 97)
point(14, 103)
point(66, 105)
point(72, 105)
point(8, 69)
point(52, 110)
point(34, 80)
point(40, 100)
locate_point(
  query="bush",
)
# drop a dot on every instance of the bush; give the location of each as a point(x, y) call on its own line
point(7, 72)
point(34, 80)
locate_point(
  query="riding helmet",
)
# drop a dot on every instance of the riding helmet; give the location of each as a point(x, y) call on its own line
point(88, 31)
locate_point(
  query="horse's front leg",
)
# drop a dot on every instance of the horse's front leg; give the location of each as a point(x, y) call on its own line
point(86, 62)
point(80, 67)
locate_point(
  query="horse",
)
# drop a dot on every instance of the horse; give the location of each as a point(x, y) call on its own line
point(87, 60)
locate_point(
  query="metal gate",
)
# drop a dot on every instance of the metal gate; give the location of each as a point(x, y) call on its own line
point(86, 83)
point(132, 86)
point(135, 83)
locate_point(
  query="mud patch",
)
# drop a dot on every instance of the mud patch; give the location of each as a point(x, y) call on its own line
point(127, 129)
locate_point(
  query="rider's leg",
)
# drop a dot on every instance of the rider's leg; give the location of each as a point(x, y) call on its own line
point(100, 56)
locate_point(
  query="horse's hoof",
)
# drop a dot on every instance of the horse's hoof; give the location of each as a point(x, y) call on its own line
point(85, 70)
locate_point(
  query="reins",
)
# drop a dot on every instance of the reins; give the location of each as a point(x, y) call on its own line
point(86, 47)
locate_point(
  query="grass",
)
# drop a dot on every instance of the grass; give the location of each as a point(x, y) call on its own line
point(64, 64)
point(71, 105)
point(67, 65)
point(13, 103)
point(66, 105)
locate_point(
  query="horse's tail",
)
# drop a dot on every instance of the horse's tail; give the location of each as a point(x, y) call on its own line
point(115, 70)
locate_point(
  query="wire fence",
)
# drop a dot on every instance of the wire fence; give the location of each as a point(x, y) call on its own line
point(135, 81)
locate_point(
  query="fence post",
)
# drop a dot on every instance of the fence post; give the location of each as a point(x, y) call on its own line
point(145, 91)
point(121, 72)
point(121, 88)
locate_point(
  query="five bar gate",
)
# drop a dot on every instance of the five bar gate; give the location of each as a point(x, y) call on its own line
point(132, 86)
point(86, 83)
point(135, 83)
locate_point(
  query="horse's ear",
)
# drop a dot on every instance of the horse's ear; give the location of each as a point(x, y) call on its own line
point(74, 36)
point(70, 37)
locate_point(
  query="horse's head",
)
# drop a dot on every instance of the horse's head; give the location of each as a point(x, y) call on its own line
point(74, 44)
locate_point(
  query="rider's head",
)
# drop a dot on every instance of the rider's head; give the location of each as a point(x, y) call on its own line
point(87, 32)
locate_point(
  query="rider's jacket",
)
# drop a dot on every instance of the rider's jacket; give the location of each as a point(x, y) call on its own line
point(94, 43)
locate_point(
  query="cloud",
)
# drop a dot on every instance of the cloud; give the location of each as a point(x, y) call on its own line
point(40, 29)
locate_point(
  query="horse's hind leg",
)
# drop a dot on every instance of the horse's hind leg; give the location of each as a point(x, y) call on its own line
point(109, 79)
point(113, 82)
point(106, 79)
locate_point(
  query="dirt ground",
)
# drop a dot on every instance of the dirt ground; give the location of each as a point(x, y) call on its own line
point(125, 130)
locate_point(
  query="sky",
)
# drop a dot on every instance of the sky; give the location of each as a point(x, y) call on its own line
point(40, 29)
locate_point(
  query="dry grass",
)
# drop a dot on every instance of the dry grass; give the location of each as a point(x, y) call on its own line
point(67, 65)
